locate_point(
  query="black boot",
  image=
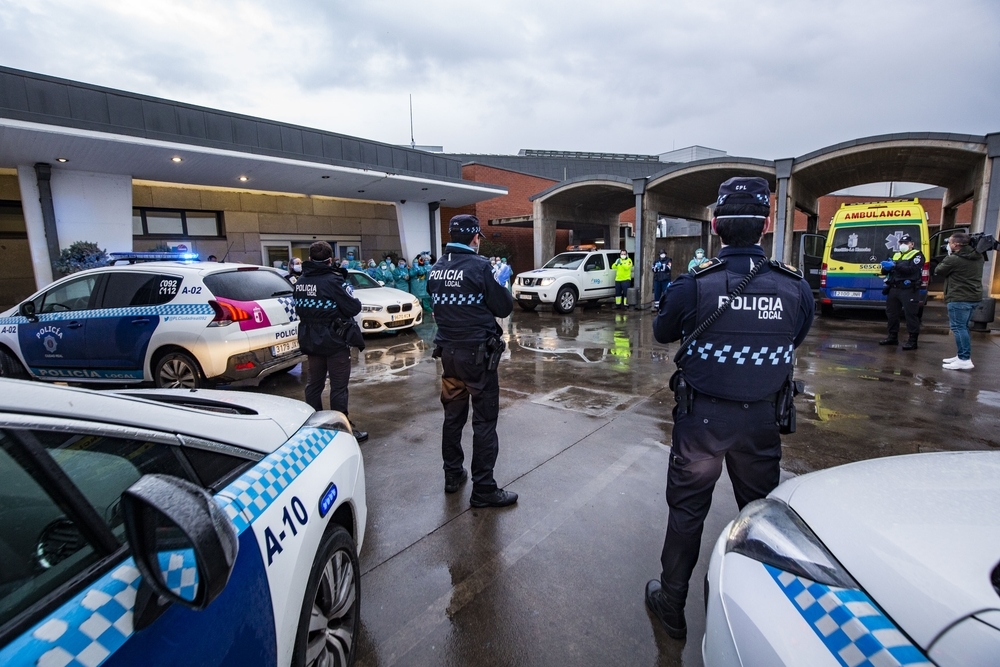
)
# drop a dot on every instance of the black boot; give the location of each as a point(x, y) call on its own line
point(360, 436)
point(453, 481)
point(495, 498)
point(891, 340)
point(669, 612)
point(910, 344)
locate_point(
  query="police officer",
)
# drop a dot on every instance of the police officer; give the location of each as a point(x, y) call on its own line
point(729, 382)
point(902, 288)
point(661, 275)
point(466, 300)
point(322, 299)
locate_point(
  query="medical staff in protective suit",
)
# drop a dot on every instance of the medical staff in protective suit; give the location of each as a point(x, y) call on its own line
point(698, 259)
point(401, 276)
point(352, 263)
point(418, 282)
point(384, 274)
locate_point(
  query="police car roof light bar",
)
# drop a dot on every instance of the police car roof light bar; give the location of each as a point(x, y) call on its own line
point(134, 257)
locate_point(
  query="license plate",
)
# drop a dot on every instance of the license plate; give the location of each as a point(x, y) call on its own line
point(284, 348)
point(398, 317)
point(847, 294)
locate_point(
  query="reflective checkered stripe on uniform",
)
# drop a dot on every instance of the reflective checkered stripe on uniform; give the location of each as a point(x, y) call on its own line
point(742, 354)
point(315, 304)
point(855, 631)
point(95, 623)
point(167, 309)
point(458, 299)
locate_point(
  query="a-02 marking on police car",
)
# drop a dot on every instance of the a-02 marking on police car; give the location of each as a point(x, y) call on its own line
point(767, 307)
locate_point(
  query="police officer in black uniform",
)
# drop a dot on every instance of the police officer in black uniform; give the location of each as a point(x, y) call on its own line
point(729, 383)
point(324, 300)
point(467, 299)
point(902, 289)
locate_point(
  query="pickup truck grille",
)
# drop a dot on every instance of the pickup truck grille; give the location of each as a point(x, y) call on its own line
point(530, 282)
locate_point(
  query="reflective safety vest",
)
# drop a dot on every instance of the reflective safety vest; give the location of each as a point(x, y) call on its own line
point(910, 255)
point(623, 269)
point(747, 354)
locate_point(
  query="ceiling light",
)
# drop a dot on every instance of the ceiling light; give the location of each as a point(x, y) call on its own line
point(175, 159)
point(423, 188)
point(324, 177)
point(243, 178)
point(62, 159)
point(360, 190)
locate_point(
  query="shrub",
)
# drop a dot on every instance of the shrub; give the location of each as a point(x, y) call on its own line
point(79, 256)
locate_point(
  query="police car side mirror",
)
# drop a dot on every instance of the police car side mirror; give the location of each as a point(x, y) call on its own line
point(27, 309)
point(182, 542)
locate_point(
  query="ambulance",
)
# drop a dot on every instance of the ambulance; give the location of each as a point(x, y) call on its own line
point(861, 236)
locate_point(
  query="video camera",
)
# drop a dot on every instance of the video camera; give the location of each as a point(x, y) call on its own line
point(983, 243)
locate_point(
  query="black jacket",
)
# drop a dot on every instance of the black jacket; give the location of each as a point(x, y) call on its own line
point(466, 298)
point(322, 297)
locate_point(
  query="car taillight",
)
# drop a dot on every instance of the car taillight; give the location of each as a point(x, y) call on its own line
point(925, 275)
point(822, 275)
point(226, 314)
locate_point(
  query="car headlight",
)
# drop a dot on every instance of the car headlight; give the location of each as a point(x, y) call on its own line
point(371, 309)
point(545, 282)
point(768, 531)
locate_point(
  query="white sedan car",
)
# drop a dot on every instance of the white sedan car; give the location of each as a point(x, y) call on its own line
point(176, 527)
point(892, 561)
point(384, 308)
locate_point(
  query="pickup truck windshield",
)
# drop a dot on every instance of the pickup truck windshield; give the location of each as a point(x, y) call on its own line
point(567, 260)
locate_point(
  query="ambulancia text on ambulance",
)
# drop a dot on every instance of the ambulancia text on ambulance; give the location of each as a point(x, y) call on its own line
point(861, 237)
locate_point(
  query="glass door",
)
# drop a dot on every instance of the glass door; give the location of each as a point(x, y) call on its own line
point(276, 254)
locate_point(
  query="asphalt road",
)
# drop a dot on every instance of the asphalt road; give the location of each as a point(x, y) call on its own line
point(584, 437)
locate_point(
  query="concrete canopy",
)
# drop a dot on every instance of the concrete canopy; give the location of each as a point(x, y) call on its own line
point(601, 192)
point(687, 190)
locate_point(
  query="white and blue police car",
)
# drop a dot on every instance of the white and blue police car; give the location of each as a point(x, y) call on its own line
point(176, 527)
point(892, 561)
point(172, 323)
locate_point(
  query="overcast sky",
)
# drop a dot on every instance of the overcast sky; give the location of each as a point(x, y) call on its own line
point(767, 79)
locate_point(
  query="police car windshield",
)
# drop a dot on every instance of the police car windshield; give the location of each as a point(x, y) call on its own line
point(567, 260)
point(361, 281)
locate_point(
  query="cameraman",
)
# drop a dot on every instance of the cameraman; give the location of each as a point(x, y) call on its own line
point(467, 299)
point(902, 289)
point(963, 290)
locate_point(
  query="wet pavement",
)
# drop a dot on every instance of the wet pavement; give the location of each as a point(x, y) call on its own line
point(584, 434)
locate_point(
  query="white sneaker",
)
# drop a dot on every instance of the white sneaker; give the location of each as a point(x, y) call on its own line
point(959, 365)
point(949, 360)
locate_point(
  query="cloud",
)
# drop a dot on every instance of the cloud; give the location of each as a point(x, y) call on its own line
point(767, 79)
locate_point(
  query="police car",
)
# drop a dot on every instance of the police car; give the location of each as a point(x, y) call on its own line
point(892, 561)
point(180, 527)
point(173, 323)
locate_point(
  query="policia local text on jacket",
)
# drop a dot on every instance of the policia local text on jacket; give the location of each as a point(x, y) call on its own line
point(467, 299)
point(322, 300)
point(902, 290)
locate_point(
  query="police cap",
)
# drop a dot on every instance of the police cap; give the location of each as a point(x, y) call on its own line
point(906, 238)
point(462, 228)
point(744, 190)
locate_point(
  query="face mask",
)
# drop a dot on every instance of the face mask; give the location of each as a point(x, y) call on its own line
point(296, 268)
point(904, 247)
point(624, 256)
point(699, 255)
point(662, 256)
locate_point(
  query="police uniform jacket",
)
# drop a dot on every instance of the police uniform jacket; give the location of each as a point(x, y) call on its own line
point(466, 298)
point(747, 354)
point(321, 298)
point(909, 267)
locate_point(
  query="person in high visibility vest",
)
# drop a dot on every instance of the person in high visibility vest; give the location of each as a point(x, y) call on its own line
point(902, 290)
point(623, 279)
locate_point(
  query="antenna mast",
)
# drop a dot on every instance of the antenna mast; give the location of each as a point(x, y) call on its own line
point(413, 144)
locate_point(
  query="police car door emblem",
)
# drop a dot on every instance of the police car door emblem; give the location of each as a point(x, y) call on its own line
point(50, 344)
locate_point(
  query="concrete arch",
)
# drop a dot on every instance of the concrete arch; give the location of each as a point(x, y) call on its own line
point(592, 201)
point(957, 162)
point(687, 190)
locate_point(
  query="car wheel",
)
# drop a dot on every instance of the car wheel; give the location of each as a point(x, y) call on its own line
point(565, 301)
point(10, 367)
point(331, 610)
point(527, 305)
point(177, 370)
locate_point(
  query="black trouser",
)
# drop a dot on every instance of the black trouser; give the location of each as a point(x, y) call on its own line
point(903, 301)
point(621, 292)
point(745, 435)
point(338, 366)
point(464, 378)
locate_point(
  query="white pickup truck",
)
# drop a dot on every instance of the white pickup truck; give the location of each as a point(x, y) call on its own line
point(567, 279)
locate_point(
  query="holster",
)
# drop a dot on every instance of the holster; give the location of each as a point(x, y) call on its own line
point(492, 351)
point(784, 405)
point(683, 393)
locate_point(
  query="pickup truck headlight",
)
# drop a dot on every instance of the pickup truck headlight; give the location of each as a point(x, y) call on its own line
point(545, 282)
point(768, 531)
